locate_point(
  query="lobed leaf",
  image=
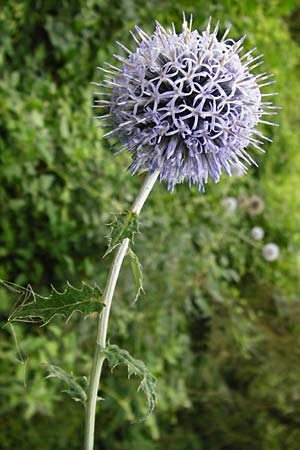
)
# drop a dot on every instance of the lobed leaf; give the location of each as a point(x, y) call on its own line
point(124, 225)
point(34, 307)
point(76, 386)
point(117, 356)
point(137, 271)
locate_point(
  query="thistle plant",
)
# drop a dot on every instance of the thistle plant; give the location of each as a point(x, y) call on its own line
point(186, 107)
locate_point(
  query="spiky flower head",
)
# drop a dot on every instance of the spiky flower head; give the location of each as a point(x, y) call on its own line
point(186, 104)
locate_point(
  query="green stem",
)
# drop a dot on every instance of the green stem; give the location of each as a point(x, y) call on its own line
point(99, 356)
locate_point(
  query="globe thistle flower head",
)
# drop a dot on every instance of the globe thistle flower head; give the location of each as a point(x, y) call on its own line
point(270, 252)
point(230, 204)
point(255, 205)
point(257, 233)
point(186, 104)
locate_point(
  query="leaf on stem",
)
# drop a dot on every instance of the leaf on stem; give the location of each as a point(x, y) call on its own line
point(124, 225)
point(137, 271)
point(76, 386)
point(33, 307)
point(117, 356)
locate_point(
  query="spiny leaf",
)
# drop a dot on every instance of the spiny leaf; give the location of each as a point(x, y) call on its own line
point(76, 386)
point(124, 225)
point(137, 271)
point(116, 356)
point(34, 307)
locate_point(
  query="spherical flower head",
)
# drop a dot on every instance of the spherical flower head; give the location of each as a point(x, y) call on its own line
point(257, 233)
point(230, 204)
point(255, 205)
point(270, 252)
point(186, 104)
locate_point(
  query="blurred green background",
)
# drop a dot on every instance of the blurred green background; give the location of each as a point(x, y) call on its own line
point(219, 325)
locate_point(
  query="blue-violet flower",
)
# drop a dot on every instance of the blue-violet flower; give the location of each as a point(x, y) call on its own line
point(186, 104)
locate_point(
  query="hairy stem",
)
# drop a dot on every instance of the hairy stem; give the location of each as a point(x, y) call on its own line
point(108, 293)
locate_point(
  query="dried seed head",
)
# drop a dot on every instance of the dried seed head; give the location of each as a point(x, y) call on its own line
point(255, 205)
point(186, 104)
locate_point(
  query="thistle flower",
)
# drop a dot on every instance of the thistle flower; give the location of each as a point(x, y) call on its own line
point(270, 252)
point(255, 205)
point(230, 204)
point(257, 233)
point(186, 104)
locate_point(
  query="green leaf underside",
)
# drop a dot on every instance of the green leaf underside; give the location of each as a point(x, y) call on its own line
point(124, 225)
point(76, 386)
point(117, 356)
point(137, 271)
point(36, 308)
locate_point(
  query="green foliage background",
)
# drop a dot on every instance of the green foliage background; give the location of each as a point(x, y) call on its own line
point(219, 326)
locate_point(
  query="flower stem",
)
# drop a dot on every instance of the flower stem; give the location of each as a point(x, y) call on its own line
point(99, 356)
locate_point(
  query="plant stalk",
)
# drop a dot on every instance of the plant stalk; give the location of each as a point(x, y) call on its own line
point(108, 293)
